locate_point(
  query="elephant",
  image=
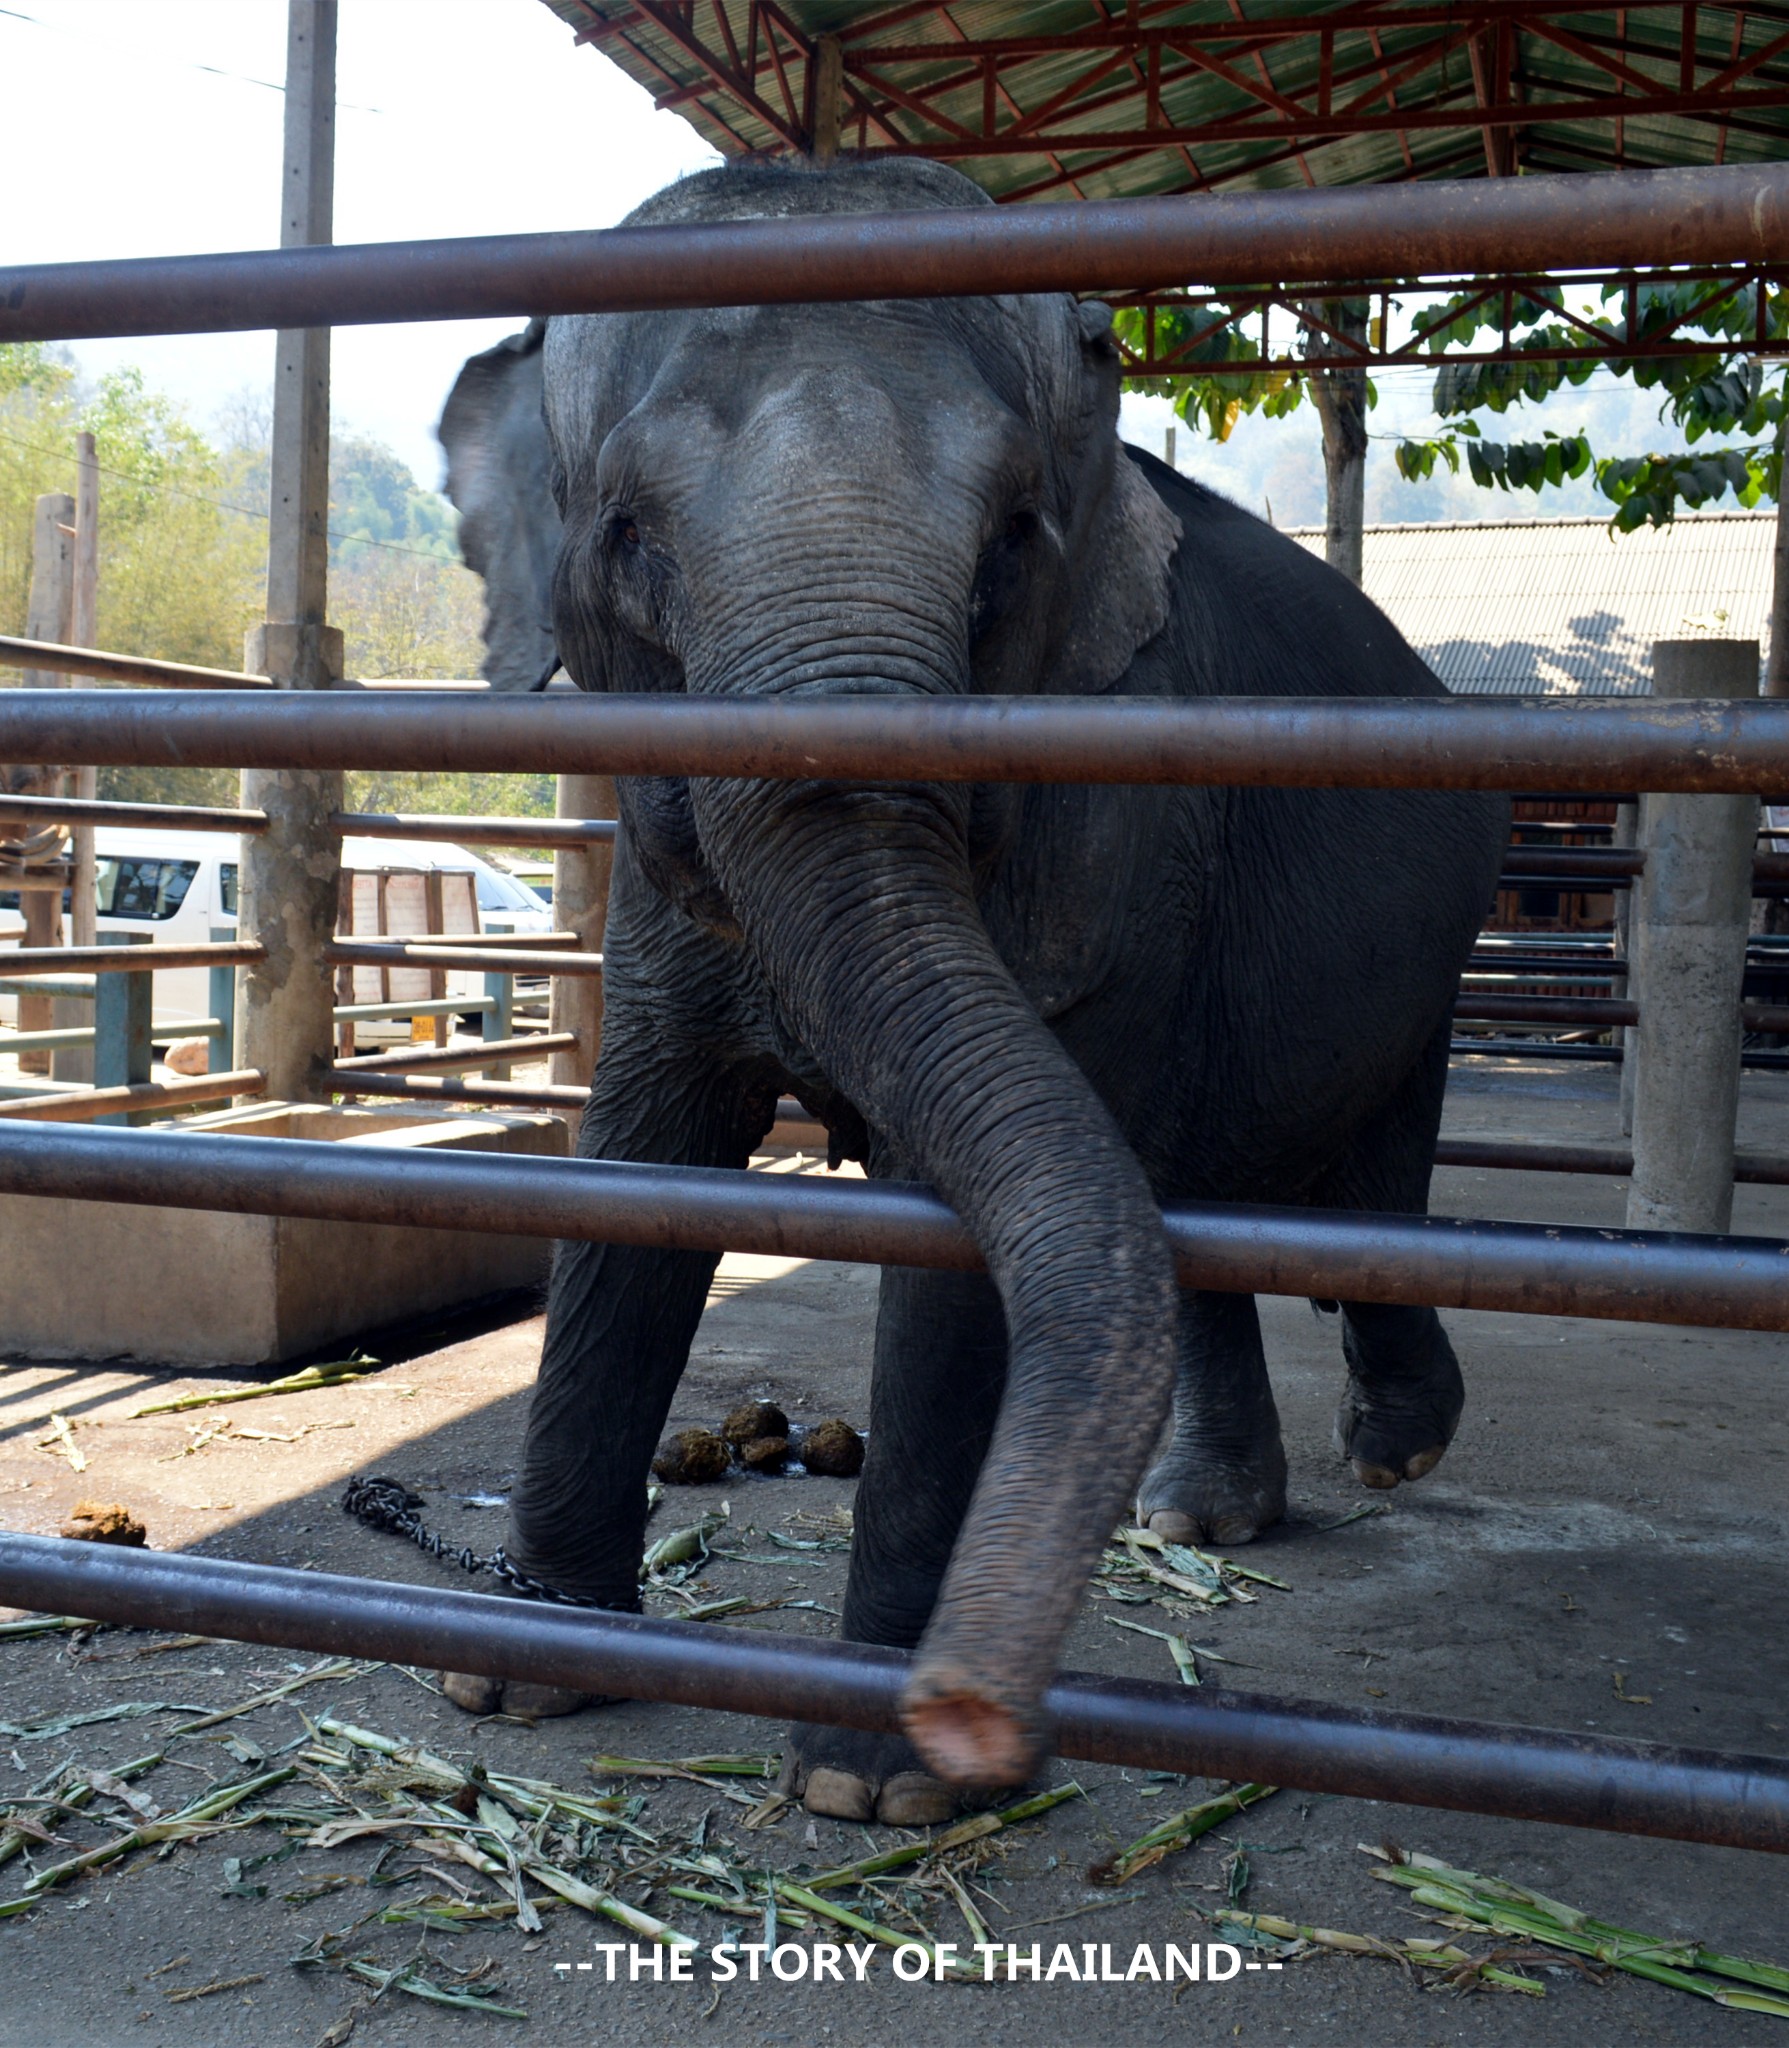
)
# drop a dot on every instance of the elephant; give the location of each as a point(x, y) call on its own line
point(1062, 1006)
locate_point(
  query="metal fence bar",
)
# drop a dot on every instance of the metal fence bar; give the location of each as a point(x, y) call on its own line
point(1736, 1800)
point(123, 668)
point(417, 953)
point(1304, 742)
point(52, 810)
point(1738, 214)
point(437, 1059)
point(1438, 1261)
point(35, 963)
point(85, 1105)
point(1525, 1155)
point(475, 831)
point(496, 1094)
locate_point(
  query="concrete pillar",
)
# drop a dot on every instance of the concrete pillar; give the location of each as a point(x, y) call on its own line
point(288, 874)
point(581, 905)
point(1690, 915)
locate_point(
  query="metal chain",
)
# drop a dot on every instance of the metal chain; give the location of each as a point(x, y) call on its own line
point(390, 1505)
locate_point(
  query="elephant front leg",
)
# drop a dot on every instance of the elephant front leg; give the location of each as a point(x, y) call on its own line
point(620, 1321)
point(1222, 1478)
point(940, 1367)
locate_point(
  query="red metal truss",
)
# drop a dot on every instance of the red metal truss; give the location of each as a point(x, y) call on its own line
point(1140, 87)
point(1182, 347)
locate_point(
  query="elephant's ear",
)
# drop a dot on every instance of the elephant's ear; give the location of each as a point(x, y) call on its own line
point(1122, 544)
point(499, 471)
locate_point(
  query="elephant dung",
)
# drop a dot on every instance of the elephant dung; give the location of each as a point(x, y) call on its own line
point(765, 1453)
point(833, 1449)
point(93, 1521)
point(754, 1421)
point(693, 1457)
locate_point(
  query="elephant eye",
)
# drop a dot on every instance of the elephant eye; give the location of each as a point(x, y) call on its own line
point(1021, 525)
point(623, 531)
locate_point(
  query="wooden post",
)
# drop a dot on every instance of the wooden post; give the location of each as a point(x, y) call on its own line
point(828, 98)
point(581, 905)
point(47, 616)
point(288, 888)
point(84, 632)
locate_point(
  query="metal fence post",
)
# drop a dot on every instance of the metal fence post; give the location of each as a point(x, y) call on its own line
point(581, 905)
point(220, 1057)
point(1689, 921)
point(123, 1013)
point(499, 1020)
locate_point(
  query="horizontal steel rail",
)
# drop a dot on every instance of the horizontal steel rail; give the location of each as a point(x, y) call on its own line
point(1735, 1800)
point(1601, 1011)
point(438, 1058)
point(1306, 742)
point(73, 810)
point(24, 963)
point(122, 668)
point(1524, 1155)
point(474, 954)
point(352, 1080)
point(553, 832)
point(1739, 214)
point(87, 1103)
point(1433, 1261)
point(1599, 862)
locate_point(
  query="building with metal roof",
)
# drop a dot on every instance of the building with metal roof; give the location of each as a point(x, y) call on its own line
point(1101, 98)
point(1557, 606)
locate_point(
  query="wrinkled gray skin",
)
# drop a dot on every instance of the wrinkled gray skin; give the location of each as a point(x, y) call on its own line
point(1059, 1006)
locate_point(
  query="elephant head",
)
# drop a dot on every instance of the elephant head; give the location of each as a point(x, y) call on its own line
point(910, 499)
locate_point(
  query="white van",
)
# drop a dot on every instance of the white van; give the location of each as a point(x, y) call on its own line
point(180, 888)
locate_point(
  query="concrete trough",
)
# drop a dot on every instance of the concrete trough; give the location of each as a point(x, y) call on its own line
point(101, 1280)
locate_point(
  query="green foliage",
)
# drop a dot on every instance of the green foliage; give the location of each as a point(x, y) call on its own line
point(1213, 402)
point(500, 796)
point(1718, 393)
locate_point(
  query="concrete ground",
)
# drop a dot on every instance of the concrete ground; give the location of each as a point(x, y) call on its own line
point(1603, 1549)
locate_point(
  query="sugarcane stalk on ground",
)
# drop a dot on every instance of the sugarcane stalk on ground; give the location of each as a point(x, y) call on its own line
point(1178, 1831)
point(1461, 1968)
point(1513, 1909)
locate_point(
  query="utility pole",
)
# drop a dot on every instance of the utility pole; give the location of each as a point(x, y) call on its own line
point(287, 899)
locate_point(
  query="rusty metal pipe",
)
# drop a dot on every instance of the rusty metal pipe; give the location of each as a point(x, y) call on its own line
point(82, 1105)
point(1738, 214)
point(348, 1079)
point(478, 953)
point(444, 1058)
point(16, 963)
point(73, 810)
point(1522, 1155)
point(1435, 1261)
point(122, 668)
point(1603, 862)
point(1596, 1010)
point(1737, 1801)
point(474, 831)
point(1305, 742)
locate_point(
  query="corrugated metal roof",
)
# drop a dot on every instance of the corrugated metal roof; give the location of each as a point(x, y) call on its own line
point(1081, 98)
point(1557, 605)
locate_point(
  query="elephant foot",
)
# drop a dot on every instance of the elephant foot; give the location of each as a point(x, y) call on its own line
point(847, 1774)
point(1194, 1496)
point(515, 1696)
point(1396, 1429)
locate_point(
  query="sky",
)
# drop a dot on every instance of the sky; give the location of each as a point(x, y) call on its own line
point(470, 117)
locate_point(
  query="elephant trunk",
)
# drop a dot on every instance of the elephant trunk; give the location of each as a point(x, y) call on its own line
point(859, 907)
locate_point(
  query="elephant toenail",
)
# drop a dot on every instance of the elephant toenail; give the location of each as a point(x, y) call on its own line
point(1379, 1476)
point(1173, 1527)
point(914, 1799)
point(1425, 1461)
point(838, 1795)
